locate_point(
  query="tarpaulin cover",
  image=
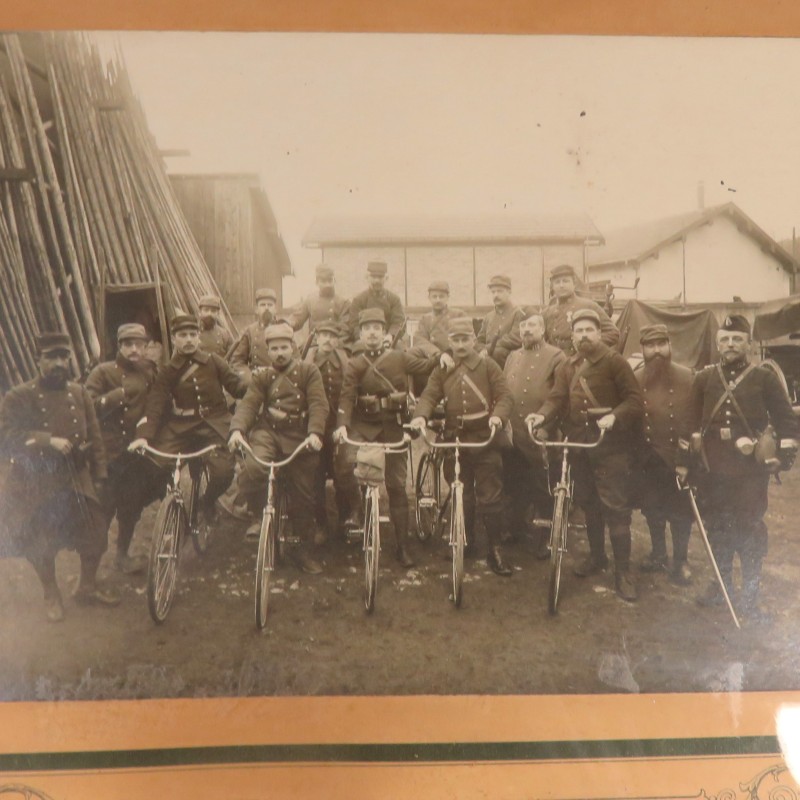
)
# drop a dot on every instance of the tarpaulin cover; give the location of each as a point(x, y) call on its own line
point(777, 318)
point(692, 333)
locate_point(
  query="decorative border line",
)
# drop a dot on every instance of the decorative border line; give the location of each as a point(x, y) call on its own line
point(436, 753)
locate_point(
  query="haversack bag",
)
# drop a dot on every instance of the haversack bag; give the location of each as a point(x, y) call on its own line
point(766, 450)
point(370, 465)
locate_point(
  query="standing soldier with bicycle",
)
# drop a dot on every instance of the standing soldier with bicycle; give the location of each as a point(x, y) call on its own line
point(731, 407)
point(119, 390)
point(476, 399)
point(598, 377)
point(187, 409)
point(665, 394)
point(374, 405)
point(284, 404)
point(530, 374)
point(49, 429)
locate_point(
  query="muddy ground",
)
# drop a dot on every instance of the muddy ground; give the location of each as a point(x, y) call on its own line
point(319, 641)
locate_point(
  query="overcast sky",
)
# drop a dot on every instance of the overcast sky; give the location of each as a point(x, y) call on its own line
point(621, 128)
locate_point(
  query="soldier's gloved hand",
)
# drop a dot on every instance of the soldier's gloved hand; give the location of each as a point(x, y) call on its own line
point(60, 445)
point(787, 453)
point(314, 442)
point(495, 422)
point(606, 423)
point(235, 441)
point(137, 444)
point(683, 474)
point(446, 361)
point(418, 424)
point(339, 434)
point(387, 340)
point(534, 421)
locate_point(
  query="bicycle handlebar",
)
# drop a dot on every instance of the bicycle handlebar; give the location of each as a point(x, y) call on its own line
point(565, 445)
point(176, 456)
point(270, 464)
point(458, 443)
point(389, 447)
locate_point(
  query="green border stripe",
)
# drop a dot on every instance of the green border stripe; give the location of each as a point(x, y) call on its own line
point(454, 752)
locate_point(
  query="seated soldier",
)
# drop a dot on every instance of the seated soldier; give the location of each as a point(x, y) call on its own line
point(284, 404)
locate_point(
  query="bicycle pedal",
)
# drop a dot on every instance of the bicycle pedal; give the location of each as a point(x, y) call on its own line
point(383, 518)
point(291, 540)
point(426, 502)
point(577, 526)
point(541, 523)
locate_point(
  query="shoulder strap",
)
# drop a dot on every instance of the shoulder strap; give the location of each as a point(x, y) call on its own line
point(728, 390)
point(373, 367)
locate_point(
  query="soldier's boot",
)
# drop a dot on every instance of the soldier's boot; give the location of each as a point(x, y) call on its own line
point(656, 561)
point(305, 528)
point(88, 592)
point(342, 505)
point(751, 584)
point(597, 560)
point(399, 517)
point(123, 562)
point(723, 555)
point(46, 572)
point(680, 573)
point(541, 544)
point(494, 557)
point(620, 534)
point(355, 520)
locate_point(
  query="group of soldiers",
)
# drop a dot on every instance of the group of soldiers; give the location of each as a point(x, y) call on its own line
point(76, 447)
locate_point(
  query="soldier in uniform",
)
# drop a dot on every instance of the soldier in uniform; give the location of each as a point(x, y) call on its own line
point(530, 374)
point(119, 390)
point(214, 338)
point(730, 406)
point(250, 351)
point(476, 399)
point(598, 377)
point(331, 360)
point(500, 322)
point(665, 393)
point(378, 296)
point(373, 404)
point(284, 404)
point(558, 315)
point(326, 305)
point(49, 429)
point(187, 410)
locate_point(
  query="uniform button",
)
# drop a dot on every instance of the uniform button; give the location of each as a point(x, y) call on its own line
point(671, 416)
point(671, 391)
point(44, 425)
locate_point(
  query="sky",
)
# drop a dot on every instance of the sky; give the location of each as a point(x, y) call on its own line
point(623, 129)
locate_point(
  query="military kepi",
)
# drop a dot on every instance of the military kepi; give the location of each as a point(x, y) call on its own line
point(183, 322)
point(324, 271)
point(736, 322)
point(372, 315)
point(653, 333)
point(460, 326)
point(439, 286)
point(585, 313)
point(53, 341)
point(281, 331)
point(500, 280)
point(266, 294)
point(377, 268)
point(563, 271)
point(329, 326)
point(132, 330)
point(209, 301)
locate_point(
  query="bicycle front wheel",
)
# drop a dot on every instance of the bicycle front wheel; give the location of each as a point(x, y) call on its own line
point(426, 502)
point(372, 549)
point(162, 573)
point(265, 564)
point(558, 546)
point(458, 538)
point(201, 531)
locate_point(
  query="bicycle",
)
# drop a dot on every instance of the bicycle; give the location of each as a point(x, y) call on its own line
point(272, 539)
point(372, 520)
point(428, 480)
point(562, 494)
point(455, 499)
point(173, 518)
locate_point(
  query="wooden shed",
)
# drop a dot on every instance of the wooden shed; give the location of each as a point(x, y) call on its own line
point(236, 230)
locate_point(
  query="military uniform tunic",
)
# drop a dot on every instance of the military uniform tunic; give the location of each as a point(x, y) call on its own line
point(251, 352)
point(49, 500)
point(431, 334)
point(558, 322)
point(384, 299)
point(217, 340)
point(495, 326)
point(315, 309)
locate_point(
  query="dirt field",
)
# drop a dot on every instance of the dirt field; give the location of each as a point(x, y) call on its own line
point(319, 641)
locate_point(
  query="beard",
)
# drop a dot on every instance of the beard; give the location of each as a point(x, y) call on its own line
point(655, 369)
point(326, 291)
point(56, 378)
point(207, 323)
point(265, 317)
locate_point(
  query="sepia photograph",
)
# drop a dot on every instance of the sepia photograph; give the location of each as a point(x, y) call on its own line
point(383, 367)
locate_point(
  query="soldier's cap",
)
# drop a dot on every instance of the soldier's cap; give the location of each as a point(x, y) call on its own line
point(736, 322)
point(460, 326)
point(372, 315)
point(500, 280)
point(653, 333)
point(209, 300)
point(323, 271)
point(377, 268)
point(279, 331)
point(266, 294)
point(563, 270)
point(439, 286)
point(183, 322)
point(132, 330)
point(585, 313)
point(530, 311)
point(53, 342)
point(329, 326)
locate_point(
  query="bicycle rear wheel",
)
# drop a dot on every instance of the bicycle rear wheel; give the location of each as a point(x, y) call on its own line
point(279, 523)
point(458, 538)
point(162, 572)
point(558, 545)
point(201, 531)
point(426, 502)
point(265, 564)
point(372, 549)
